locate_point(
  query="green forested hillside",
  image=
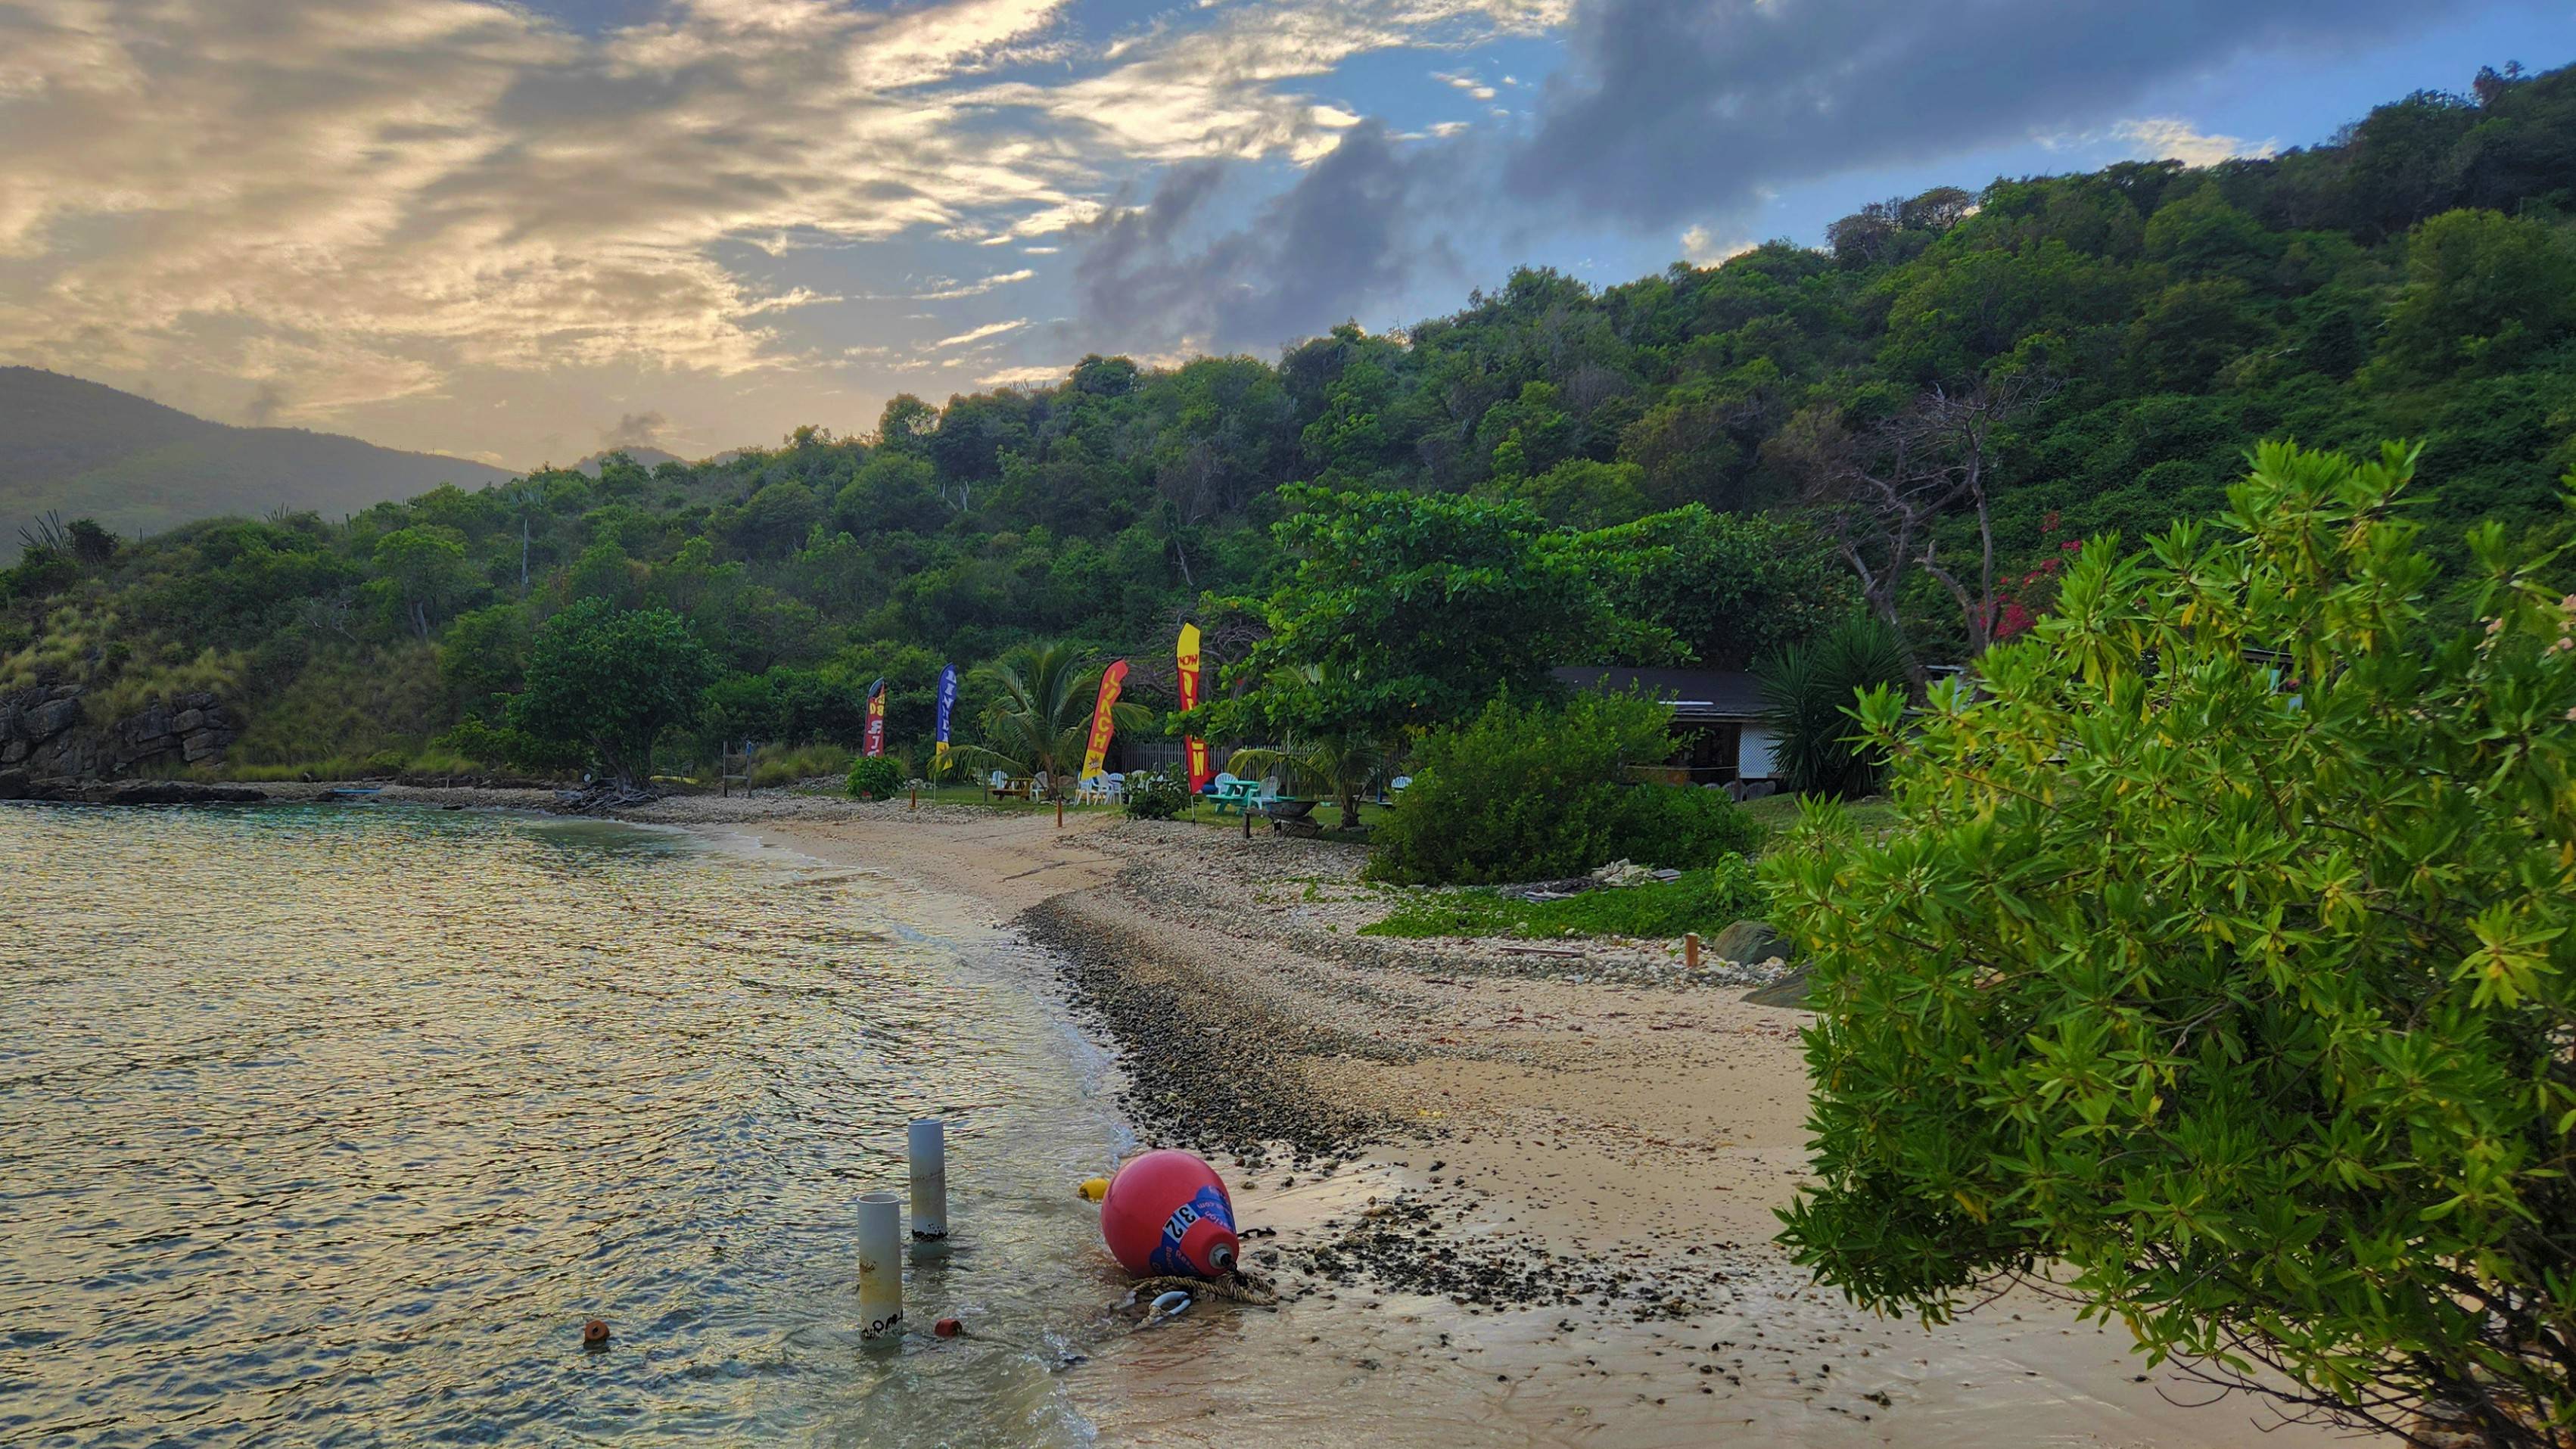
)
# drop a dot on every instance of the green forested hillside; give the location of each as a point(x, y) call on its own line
point(2097, 350)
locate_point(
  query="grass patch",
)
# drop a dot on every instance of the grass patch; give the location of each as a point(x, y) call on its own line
point(1875, 814)
point(1706, 901)
point(331, 768)
point(783, 767)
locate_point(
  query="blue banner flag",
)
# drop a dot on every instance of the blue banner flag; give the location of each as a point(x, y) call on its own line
point(947, 697)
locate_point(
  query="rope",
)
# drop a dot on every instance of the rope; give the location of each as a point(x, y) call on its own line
point(1239, 1288)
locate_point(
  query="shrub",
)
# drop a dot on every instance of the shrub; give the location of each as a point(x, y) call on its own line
point(781, 766)
point(480, 742)
point(1707, 901)
point(1156, 796)
point(1547, 791)
point(609, 681)
point(1807, 694)
point(874, 777)
point(2223, 954)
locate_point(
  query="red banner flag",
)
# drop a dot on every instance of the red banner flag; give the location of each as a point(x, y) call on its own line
point(1193, 749)
point(1095, 758)
point(876, 719)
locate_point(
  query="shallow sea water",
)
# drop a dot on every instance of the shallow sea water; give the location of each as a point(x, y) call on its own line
point(330, 1125)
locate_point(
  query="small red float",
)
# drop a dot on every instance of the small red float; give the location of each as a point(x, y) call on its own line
point(945, 1328)
point(1166, 1215)
point(594, 1334)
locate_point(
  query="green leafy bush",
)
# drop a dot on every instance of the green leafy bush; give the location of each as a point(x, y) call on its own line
point(874, 777)
point(610, 681)
point(485, 745)
point(1807, 694)
point(2223, 955)
point(1547, 791)
point(1156, 796)
point(1706, 901)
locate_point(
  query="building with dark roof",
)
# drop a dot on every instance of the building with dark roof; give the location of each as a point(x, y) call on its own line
point(1716, 712)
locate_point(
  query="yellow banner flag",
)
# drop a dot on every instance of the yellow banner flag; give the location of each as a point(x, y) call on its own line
point(1095, 757)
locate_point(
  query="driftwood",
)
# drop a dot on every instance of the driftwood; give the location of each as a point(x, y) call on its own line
point(603, 795)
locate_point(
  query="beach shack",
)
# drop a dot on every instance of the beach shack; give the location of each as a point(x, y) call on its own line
point(1717, 713)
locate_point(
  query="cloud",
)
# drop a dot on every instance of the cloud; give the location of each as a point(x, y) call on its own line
point(1687, 113)
point(1670, 109)
point(2159, 137)
point(264, 405)
point(955, 290)
point(1702, 248)
point(1334, 243)
point(1043, 376)
point(990, 329)
point(362, 200)
point(635, 430)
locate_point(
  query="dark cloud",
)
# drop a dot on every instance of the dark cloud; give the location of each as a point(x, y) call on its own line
point(634, 430)
point(264, 405)
point(1687, 108)
point(1345, 237)
point(1681, 110)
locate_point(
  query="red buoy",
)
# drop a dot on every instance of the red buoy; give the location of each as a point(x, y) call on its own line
point(1167, 1215)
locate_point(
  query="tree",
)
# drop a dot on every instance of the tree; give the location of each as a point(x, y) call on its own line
point(1402, 610)
point(611, 680)
point(1880, 494)
point(1039, 720)
point(1551, 790)
point(2222, 954)
point(2480, 288)
point(427, 571)
point(1808, 692)
point(1731, 587)
point(1345, 767)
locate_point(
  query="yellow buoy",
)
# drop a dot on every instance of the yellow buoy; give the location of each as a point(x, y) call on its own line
point(1093, 1189)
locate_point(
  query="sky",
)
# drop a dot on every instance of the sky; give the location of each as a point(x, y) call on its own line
point(524, 232)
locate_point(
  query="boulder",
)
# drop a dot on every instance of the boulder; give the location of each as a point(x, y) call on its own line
point(1789, 990)
point(15, 785)
point(1752, 941)
point(51, 718)
point(189, 721)
point(203, 745)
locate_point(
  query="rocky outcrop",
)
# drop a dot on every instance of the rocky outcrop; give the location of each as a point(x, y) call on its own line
point(47, 731)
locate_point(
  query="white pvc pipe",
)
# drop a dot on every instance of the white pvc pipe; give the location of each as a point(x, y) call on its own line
point(880, 1265)
point(929, 1150)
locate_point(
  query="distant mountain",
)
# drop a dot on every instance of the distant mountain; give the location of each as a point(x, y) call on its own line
point(646, 458)
point(82, 449)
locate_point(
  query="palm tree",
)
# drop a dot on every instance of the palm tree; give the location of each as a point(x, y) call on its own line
point(1344, 766)
point(1040, 717)
point(1807, 693)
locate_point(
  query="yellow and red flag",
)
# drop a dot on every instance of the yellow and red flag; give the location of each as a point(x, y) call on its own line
point(876, 719)
point(1095, 757)
point(1193, 749)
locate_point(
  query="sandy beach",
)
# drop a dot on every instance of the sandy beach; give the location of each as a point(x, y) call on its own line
point(1508, 1198)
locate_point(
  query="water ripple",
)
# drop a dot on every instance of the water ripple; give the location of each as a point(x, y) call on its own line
point(329, 1126)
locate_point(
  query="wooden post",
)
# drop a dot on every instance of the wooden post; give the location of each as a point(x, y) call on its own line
point(1059, 812)
point(916, 798)
point(1690, 950)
